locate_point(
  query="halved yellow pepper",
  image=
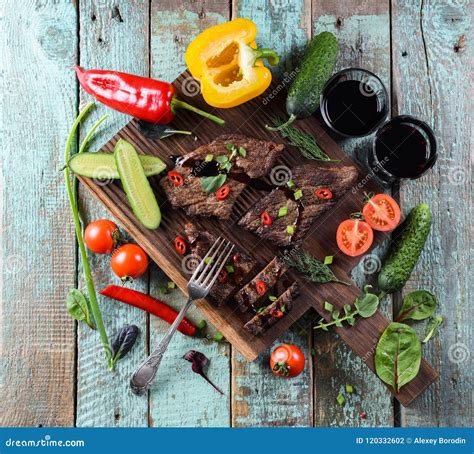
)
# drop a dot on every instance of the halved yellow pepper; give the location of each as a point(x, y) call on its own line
point(224, 58)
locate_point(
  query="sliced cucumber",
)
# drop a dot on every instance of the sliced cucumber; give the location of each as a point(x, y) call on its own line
point(136, 186)
point(101, 166)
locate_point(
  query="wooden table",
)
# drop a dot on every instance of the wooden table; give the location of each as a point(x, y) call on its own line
point(52, 371)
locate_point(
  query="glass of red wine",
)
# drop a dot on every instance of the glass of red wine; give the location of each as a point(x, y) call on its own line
point(354, 102)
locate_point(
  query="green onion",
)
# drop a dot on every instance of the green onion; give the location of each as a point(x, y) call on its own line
point(229, 268)
point(260, 309)
point(290, 184)
point(209, 157)
point(283, 211)
point(218, 337)
point(298, 194)
point(290, 229)
point(208, 260)
point(171, 285)
point(349, 389)
point(341, 399)
point(328, 259)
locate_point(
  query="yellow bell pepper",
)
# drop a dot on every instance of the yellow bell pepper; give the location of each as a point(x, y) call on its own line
point(224, 58)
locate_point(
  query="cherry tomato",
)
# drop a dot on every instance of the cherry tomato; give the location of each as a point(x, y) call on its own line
point(266, 219)
point(223, 192)
point(176, 178)
point(101, 236)
point(180, 245)
point(260, 287)
point(222, 276)
point(354, 237)
point(287, 360)
point(382, 213)
point(323, 193)
point(129, 262)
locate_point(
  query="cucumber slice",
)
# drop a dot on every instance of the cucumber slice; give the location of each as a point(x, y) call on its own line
point(136, 186)
point(101, 166)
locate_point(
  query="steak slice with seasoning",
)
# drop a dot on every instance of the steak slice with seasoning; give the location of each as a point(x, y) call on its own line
point(249, 296)
point(241, 263)
point(273, 312)
point(301, 213)
point(260, 156)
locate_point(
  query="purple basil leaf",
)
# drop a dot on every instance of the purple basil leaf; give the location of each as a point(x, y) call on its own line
point(124, 341)
point(199, 362)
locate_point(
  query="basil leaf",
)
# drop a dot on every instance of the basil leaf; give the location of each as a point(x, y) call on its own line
point(222, 159)
point(367, 305)
point(123, 342)
point(398, 355)
point(212, 184)
point(432, 327)
point(328, 307)
point(417, 306)
point(78, 307)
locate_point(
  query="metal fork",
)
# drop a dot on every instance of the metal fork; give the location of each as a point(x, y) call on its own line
point(199, 286)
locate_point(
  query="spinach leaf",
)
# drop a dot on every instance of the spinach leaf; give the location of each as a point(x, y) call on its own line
point(78, 307)
point(123, 342)
point(432, 327)
point(212, 184)
point(417, 306)
point(398, 355)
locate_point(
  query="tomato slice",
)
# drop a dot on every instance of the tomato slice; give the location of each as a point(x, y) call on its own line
point(222, 276)
point(223, 192)
point(354, 237)
point(176, 178)
point(382, 213)
point(260, 287)
point(180, 245)
point(323, 193)
point(266, 219)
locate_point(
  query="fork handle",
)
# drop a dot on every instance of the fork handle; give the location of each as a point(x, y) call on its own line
point(144, 375)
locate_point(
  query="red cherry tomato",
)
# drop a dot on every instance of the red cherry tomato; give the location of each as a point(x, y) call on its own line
point(260, 287)
point(354, 237)
point(222, 276)
point(382, 213)
point(266, 219)
point(287, 360)
point(101, 236)
point(223, 192)
point(129, 262)
point(176, 178)
point(323, 193)
point(180, 245)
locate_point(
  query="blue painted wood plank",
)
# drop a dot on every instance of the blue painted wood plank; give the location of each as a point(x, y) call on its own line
point(38, 47)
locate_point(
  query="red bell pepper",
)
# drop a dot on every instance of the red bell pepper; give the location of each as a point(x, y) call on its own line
point(148, 304)
point(147, 99)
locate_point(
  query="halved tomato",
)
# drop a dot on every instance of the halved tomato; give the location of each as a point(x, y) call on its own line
point(354, 237)
point(382, 213)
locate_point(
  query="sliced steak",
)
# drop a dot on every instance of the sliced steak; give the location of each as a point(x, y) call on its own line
point(301, 213)
point(258, 161)
point(249, 295)
point(273, 312)
point(242, 264)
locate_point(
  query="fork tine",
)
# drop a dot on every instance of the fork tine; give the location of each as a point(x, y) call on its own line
point(199, 278)
point(203, 261)
point(212, 275)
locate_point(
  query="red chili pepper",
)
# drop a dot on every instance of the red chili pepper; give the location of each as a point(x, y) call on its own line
point(176, 178)
point(223, 192)
point(148, 304)
point(235, 258)
point(180, 245)
point(222, 276)
point(260, 287)
point(277, 313)
point(141, 97)
point(266, 219)
point(323, 193)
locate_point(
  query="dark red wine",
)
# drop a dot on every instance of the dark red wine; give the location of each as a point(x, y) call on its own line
point(404, 148)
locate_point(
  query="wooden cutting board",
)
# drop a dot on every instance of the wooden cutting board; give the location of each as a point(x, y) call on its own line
point(250, 119)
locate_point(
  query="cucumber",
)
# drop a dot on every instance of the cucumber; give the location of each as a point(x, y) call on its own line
point(102, 165)
point(406, 250)
point(135, 184)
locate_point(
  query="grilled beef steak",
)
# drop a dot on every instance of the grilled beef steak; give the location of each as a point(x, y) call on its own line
point(300, 214)
point(260, 155)
point(229, 281)
point(273, 312)
point(260, 285)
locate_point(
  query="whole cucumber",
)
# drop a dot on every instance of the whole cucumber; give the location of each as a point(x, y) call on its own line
point(406, 250)
point(316, 68)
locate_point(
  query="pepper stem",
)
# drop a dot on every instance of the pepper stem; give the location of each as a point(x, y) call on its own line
point(284, 125)
point(272, 57)
point(178, 104)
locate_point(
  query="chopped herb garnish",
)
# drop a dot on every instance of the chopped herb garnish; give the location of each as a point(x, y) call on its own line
point(341, 400)
point(171, 285)
point(201, 325)
point(349, 389)
point(328, 259)
point(227, 166)
point(218, 337)
point(283, 309)
point(209, 157)
point(290, 229)
point(298, 194)
point(242, 152)
point(230, 146)
point(163, 290)
point(260, 309)
point(290, 183)
point(328, 307)
point(283, 211)
point(229, 269)
point(222, 159)
point(272, 298)
point(208, 260)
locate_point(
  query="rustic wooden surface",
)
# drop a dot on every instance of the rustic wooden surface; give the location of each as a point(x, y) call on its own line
point(428, 66)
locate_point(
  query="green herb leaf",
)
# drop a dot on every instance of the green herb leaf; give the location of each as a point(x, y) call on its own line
point(218, 337)
point(298, 194)
point(171, 285)
point(340, 399)
point(290, 184)
point(78, 307)
point(260, 310)
point(347, 308)
point(163, 290)
point(230, 146)
point(242, 152)
point(398, 355)
point(432, 327)
point(290, 229)
point(212, 184)
point(351, 321)
point(209, 157)
point(417, 306)
point(336, 314)
point(367, 304)
point(227, 166)
point(222, 159)
point(349, 389)
point(283, 309)
point(328, 259)
point(229, 269)
point(328, 307)
point(272, 298)
point(283, 211)
point(201, 325)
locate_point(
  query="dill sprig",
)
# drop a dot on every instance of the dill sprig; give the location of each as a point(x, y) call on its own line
point(313, 269)
point(303, 141)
